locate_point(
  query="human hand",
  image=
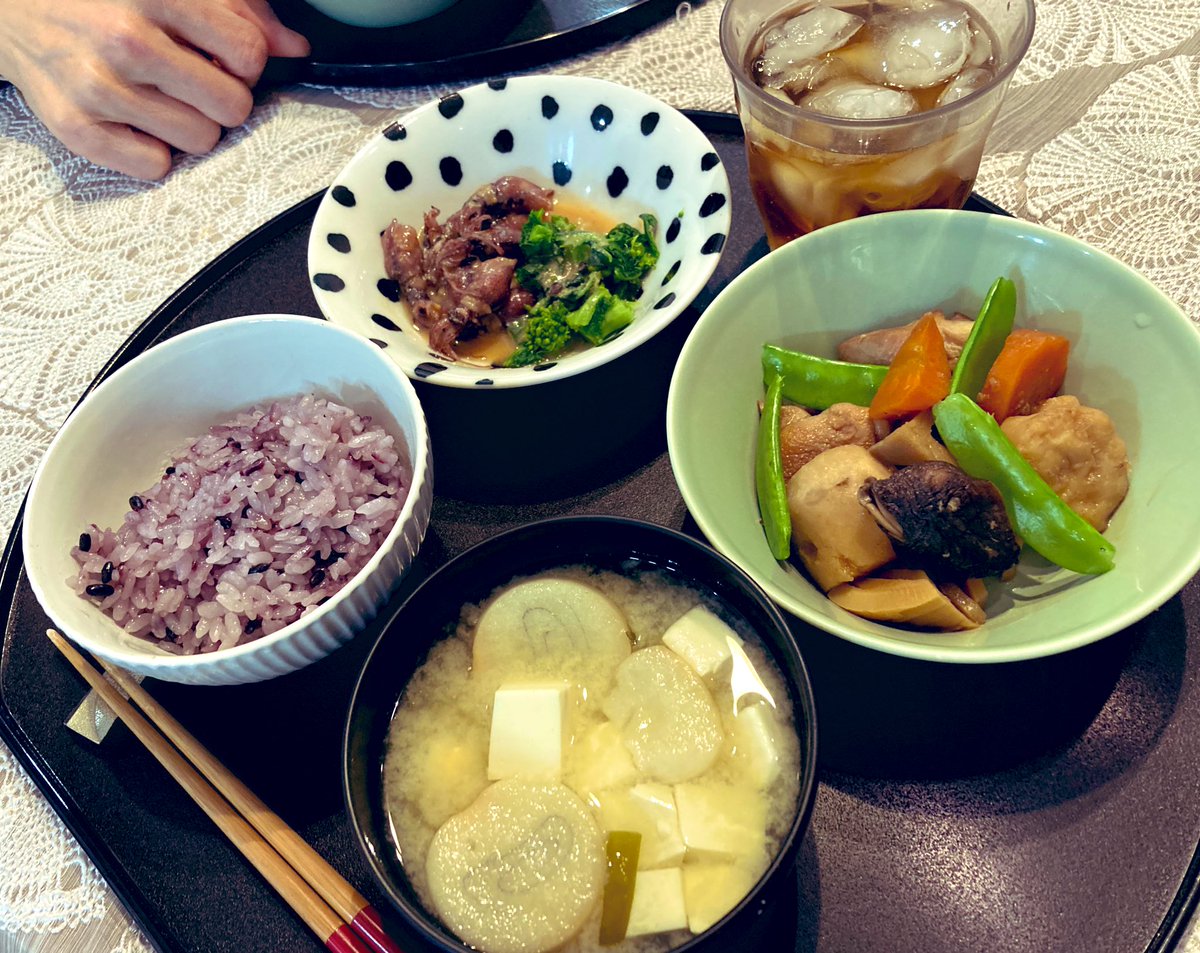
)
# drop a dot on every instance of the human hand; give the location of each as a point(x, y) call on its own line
point(122, 82)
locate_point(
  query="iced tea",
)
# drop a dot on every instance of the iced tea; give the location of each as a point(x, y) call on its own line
point(855, 108)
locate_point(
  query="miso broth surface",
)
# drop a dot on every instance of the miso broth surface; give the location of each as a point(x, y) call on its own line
point(437, 752)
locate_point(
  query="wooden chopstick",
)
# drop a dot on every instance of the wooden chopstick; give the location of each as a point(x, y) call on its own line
point(333, 909)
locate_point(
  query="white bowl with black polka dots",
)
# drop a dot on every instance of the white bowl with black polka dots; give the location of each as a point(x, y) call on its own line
point(610, 146)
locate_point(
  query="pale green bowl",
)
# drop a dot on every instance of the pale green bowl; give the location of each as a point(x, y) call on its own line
point(1134, 355)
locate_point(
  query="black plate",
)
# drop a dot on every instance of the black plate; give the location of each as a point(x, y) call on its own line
point(1050, 805)
point(471, 39)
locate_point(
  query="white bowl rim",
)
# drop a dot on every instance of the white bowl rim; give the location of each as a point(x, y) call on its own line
point(881, 641)
point(641, 330)
point(144, 661)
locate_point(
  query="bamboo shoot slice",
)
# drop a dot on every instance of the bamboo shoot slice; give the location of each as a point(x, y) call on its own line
point(520, 870)
point(554, 628)
point(666, 714)
point(906, 597)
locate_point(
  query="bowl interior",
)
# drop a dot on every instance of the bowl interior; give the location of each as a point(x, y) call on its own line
point(603, 542)
point(615, 148)
point(116, 442)
point(1134, 355)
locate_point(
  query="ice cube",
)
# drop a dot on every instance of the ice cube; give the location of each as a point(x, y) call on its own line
point(779, 94)
point(981, 46)
point(799, 79)
point(964, 84)
point(806, 37)
point(920, 48)
point(854, 99)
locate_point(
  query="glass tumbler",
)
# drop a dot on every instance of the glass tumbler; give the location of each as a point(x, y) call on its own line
point(808, 168)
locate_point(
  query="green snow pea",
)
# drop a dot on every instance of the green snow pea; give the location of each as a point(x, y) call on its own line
point(1038, 514)
point(818, 383)
point(768, 473)
point(987, 337)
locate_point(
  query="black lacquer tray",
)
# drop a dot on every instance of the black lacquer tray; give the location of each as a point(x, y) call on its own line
point(470, 39)
point(1037, 806)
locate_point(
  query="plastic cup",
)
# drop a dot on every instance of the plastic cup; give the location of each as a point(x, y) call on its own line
point(808, 170)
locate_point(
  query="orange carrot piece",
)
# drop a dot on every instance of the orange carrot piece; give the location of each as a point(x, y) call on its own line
point(1029, 369)
point(917, 378)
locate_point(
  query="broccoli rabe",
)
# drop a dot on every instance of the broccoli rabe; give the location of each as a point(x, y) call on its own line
point(600, 316)
point(634, 253)
point(539, 335)
point(585, 282)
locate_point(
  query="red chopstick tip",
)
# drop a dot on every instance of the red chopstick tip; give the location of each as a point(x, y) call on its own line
point(343, 940)
point(369, 926)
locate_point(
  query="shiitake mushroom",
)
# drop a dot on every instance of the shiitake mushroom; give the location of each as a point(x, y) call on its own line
point(943, 520)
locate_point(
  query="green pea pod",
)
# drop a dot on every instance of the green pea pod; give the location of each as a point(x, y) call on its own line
point(993, 326)
point(817, 383)
point(1038, 514)
point(768, 474)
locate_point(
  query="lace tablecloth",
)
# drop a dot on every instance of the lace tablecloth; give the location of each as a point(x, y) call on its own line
point(1098, 138)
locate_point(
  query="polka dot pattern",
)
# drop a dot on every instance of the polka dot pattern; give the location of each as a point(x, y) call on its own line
point(450, 106)
point(451, 170)
point(397, 176)
point(616, 182)
point(502, 141)
point(592, 138)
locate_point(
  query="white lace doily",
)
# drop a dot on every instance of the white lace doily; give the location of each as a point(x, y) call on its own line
point(1098, 139)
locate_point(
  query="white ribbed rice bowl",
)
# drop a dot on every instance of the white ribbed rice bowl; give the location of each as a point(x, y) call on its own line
point(115, 443)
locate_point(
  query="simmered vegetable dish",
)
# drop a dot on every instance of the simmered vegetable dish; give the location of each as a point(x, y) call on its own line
point(919, 464)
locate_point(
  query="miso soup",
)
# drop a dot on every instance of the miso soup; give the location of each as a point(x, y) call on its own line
point(591, 761)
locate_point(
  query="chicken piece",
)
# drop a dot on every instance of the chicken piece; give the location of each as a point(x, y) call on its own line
point(912, 442)
point(801, 439)
point(835, 537)
point(1076, 450)
point(880, 346)
point(789, 414)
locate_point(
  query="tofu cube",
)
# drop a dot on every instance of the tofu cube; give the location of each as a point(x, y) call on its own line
point(721, 822)
point(701, 639)
point(658, 905)
point(745, 684)
point(711, 890)
point(648, 809)
point(756, 743)
point(599, 760)
point(528, 728)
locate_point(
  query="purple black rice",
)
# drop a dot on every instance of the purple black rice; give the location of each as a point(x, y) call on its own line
point(252, 525)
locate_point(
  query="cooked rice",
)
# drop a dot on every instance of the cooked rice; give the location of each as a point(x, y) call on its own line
point(252, 525)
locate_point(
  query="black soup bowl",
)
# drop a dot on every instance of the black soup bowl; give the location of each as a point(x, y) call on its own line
point(629, 548)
